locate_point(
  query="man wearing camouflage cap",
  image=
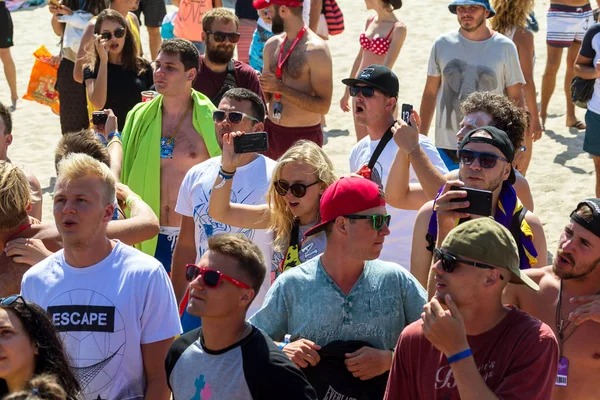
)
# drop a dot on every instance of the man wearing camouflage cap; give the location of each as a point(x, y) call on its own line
point(475, 347)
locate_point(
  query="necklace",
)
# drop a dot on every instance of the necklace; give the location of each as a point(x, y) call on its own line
point(168, 144)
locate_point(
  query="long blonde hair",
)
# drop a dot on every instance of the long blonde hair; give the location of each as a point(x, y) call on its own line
point(510, 13)
point(282, 219)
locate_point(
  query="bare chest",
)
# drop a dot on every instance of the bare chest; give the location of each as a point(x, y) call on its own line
point(296, 65)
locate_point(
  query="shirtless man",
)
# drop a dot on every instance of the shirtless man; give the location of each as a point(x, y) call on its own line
point(568, 20)
point(164, 138)
point(569, 302)
point(297, 79)
point(6, 139)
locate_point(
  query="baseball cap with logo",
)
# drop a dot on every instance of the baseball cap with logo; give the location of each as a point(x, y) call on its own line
point(483, 3)
point(260, 4)
point(347, 196)
point(499, 140)
point(591, 224)
point(378, 76)
point(486, 241)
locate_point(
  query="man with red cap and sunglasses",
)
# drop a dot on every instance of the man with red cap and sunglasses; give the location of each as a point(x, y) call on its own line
point(228, 358)
point(346, 293)
point(297, 78)
point(475, 347)
point(218, 71)
point(486, 155)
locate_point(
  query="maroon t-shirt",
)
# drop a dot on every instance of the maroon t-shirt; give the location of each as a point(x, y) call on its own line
point(517, 359)
point(209, 83)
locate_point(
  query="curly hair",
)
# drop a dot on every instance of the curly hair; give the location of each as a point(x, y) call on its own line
point(52, 357)
point(41, 387)
point(282, 219)
point(510, 13)
point(505, 114)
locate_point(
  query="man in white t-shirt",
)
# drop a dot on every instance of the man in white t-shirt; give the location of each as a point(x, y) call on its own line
point(239, 110)
point(375, 93)
point(470, 59)
point(113, 305)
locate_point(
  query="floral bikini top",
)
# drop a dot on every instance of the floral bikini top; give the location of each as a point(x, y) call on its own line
point(380, 45)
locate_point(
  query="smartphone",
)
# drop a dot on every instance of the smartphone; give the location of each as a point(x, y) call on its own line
point(406, 112)
point(99, 118)
point(255, 142)
point(480, 201)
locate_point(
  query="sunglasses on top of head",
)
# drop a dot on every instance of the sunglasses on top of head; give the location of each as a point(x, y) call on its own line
point(10, 300)
point(234, 117)
point(366, 91)
point(486, 160)
point(449, 261)
point(119, 33)
point(377, 219)
point(298, 189)
point(233, 37)
point(211, 277)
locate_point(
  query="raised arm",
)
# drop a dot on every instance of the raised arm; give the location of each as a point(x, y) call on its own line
point(142, 223)
point(97, 87)
point(84, 46)
point(220, 207)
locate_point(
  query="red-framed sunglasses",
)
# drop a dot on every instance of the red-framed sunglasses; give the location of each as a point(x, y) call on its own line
point(211, 277)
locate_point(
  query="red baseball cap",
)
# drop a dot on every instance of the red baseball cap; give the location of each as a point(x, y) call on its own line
point(347, 196)
point(260, 4)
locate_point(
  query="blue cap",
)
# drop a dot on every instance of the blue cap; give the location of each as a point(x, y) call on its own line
point(482, 3)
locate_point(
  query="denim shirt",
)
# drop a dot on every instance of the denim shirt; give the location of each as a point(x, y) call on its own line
point(306, 303)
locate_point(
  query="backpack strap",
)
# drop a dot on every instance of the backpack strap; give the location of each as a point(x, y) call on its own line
point(387, 136)
point(515, 225)
point(229, 83)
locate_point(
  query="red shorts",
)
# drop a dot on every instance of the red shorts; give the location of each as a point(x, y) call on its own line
point(282, 138)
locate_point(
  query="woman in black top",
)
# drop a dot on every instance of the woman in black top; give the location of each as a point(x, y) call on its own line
point(115, 76)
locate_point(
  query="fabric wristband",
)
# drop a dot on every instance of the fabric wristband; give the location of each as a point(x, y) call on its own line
point(224, 176)
point(460, 356)
point(286, 341)
point(114, 134)
point(112, 141)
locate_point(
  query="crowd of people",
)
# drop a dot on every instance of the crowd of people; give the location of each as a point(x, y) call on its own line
point(187, 260)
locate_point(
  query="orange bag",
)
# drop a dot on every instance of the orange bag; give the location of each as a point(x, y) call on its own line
point(43, 78)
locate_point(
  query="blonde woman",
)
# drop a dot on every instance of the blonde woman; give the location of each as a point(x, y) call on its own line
point(511, 21)
point(299, 179)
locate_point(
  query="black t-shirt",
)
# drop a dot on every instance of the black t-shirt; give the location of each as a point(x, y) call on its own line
point(251, 369)
point(124, 88)
point(245, 10)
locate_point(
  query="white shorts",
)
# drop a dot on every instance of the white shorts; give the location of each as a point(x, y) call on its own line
point(567, 24)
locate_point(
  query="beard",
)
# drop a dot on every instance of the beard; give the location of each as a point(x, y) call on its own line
point(579, 272)
point(476, 22)
point(218, 55)
point(277, 24)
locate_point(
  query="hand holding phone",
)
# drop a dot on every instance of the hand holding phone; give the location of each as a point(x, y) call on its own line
point(480, 201)
point(406, 112)
point(99, 118)
point(256, 142)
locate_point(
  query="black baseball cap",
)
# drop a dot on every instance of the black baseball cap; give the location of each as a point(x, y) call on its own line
point(499, 140)
point(378, 76)
point(593, 224)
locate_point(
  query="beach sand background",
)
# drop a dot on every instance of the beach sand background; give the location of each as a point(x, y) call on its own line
point(560, 175)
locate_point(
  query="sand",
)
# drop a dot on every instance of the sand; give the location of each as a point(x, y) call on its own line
point(560, 175)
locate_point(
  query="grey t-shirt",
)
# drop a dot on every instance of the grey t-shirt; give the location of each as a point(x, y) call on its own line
point(306, 303)
point(251, 369)
point(468, 66)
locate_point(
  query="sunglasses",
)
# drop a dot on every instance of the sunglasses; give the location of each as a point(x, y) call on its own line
point(366, 91)
point(449, 261)
point(486, 160)
point(378, 219)
point(10, 300)
point(212, 278)
point(298, 189)
point(233, 37)
point(119, 33)
point(234, 117)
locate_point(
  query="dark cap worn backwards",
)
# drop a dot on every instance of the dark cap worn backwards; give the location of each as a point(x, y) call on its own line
point(593, 224)
point(378, 76)
point(483, 3)
point(499, 140)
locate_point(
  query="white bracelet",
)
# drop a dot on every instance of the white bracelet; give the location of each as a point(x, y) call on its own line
point(413, 148)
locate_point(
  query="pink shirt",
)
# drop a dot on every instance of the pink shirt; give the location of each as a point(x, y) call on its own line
point(188, 23)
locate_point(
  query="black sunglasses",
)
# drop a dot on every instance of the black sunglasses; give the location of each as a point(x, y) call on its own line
point(119, 33)
point(486, 160)
point(449, 261)
point(211, 277)
point(10, 300)
point(366, 91)
point(234, 117)
point(298, 189)
point(378, 219)
point(233, 37)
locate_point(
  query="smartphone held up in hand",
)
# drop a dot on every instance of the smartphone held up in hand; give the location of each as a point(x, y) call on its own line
point(99, 118)
point(256, 142)
point(406, 112)
point(480, 201)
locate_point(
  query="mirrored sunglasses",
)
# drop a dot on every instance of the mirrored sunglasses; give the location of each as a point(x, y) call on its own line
point(377, 219)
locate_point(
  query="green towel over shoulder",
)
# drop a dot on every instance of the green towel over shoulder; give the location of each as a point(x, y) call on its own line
point(141, 149)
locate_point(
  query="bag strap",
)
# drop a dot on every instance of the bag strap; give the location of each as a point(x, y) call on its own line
point(387, 136)
point(229, 83)
point(515, 225)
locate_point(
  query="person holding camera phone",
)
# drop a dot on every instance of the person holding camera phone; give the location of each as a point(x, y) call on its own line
point(375, 92)
point(115, 75)
point(240, 110)
point(486, 155)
